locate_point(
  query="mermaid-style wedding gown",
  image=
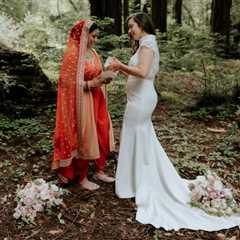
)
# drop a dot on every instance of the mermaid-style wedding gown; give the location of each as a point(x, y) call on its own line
point(144, 170)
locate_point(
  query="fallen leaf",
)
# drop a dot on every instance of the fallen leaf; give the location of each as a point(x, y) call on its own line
point(55, 232)
point(217, 130)
point(92, 215)
point(63, 205)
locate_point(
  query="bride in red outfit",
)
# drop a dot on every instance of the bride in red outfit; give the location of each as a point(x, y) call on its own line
point(83, 126)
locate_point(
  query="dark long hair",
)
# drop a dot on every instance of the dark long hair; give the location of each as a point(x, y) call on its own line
point(93, 27)
point(144, 22)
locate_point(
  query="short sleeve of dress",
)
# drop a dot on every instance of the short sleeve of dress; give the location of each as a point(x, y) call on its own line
point(149, 43)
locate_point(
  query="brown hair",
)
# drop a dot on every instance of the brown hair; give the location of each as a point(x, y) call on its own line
point(144, 22)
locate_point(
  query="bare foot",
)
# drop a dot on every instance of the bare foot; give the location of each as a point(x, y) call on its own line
point(105, 178)
point(86, 184)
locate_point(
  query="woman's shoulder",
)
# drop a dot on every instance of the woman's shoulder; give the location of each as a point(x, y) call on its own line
point(148, 41)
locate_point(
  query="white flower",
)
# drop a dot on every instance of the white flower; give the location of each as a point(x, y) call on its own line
point(218, 185)
point(38, 207)
point(227, 193)
point(28, 201)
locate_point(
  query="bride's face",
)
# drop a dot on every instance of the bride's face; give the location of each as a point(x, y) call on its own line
point(134, 31)
point(92, 38)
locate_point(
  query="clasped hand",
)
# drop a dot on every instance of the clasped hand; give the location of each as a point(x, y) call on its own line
point(107, 76)
point(114, 64)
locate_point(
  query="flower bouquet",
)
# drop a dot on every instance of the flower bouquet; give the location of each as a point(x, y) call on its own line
point(209, 194)
point(36, 196)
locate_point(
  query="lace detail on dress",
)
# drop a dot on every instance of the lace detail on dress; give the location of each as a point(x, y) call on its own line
point(150, 42)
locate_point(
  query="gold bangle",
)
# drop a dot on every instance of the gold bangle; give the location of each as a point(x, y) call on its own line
point(85, 86)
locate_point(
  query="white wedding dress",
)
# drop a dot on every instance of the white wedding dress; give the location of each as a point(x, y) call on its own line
point(144, 170)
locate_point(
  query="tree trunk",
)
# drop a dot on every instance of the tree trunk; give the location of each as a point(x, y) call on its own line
point(178, 11)
point(97, 8)
point(220, 17)
point(221, 20)
point(159, 14)
point(125, 13)
point(108, 8)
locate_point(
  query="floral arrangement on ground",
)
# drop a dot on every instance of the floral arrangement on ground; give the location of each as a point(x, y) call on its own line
point(209, 193)
point(36, 196)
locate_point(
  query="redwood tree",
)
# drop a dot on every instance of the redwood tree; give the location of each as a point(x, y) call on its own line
point(125, 12)
point(108, 8)
point(220, 16)
point(178, 11)
point(159, 14)
point(221, 20)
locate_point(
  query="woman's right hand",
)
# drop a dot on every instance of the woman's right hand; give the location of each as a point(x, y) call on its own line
point(104, 78)
point(115, 64)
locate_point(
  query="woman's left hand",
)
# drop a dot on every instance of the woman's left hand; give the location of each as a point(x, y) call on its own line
point(107, 76)
point(115, 64)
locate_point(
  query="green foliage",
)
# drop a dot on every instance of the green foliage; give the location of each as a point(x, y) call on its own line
point(186, 50)
point(221, 79)
point(28, 136)
point(117, 99)
point(219, 111)
point(230, 147)
point(235, 12)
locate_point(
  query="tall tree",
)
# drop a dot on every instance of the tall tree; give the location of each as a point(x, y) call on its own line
point(108, 8)
point(178, 11)
point(125, 12)
point(220, 16)
point(221, 19)
point(159, 14)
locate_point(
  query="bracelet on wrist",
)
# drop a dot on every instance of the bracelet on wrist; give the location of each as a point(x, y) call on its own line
point(87, 86)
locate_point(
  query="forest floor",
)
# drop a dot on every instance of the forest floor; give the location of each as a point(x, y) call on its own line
point(192, 142)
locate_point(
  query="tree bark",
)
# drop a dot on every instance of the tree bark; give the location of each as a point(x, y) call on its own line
point(159, 14)
point(108, 8)
point(220, 16)
point(178, 11)
point(125, 13)
point(221, 21)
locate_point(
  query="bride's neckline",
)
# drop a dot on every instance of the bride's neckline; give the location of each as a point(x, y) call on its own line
point(148, 36)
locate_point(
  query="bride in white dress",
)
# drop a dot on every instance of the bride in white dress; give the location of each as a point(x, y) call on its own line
point(144, 171)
